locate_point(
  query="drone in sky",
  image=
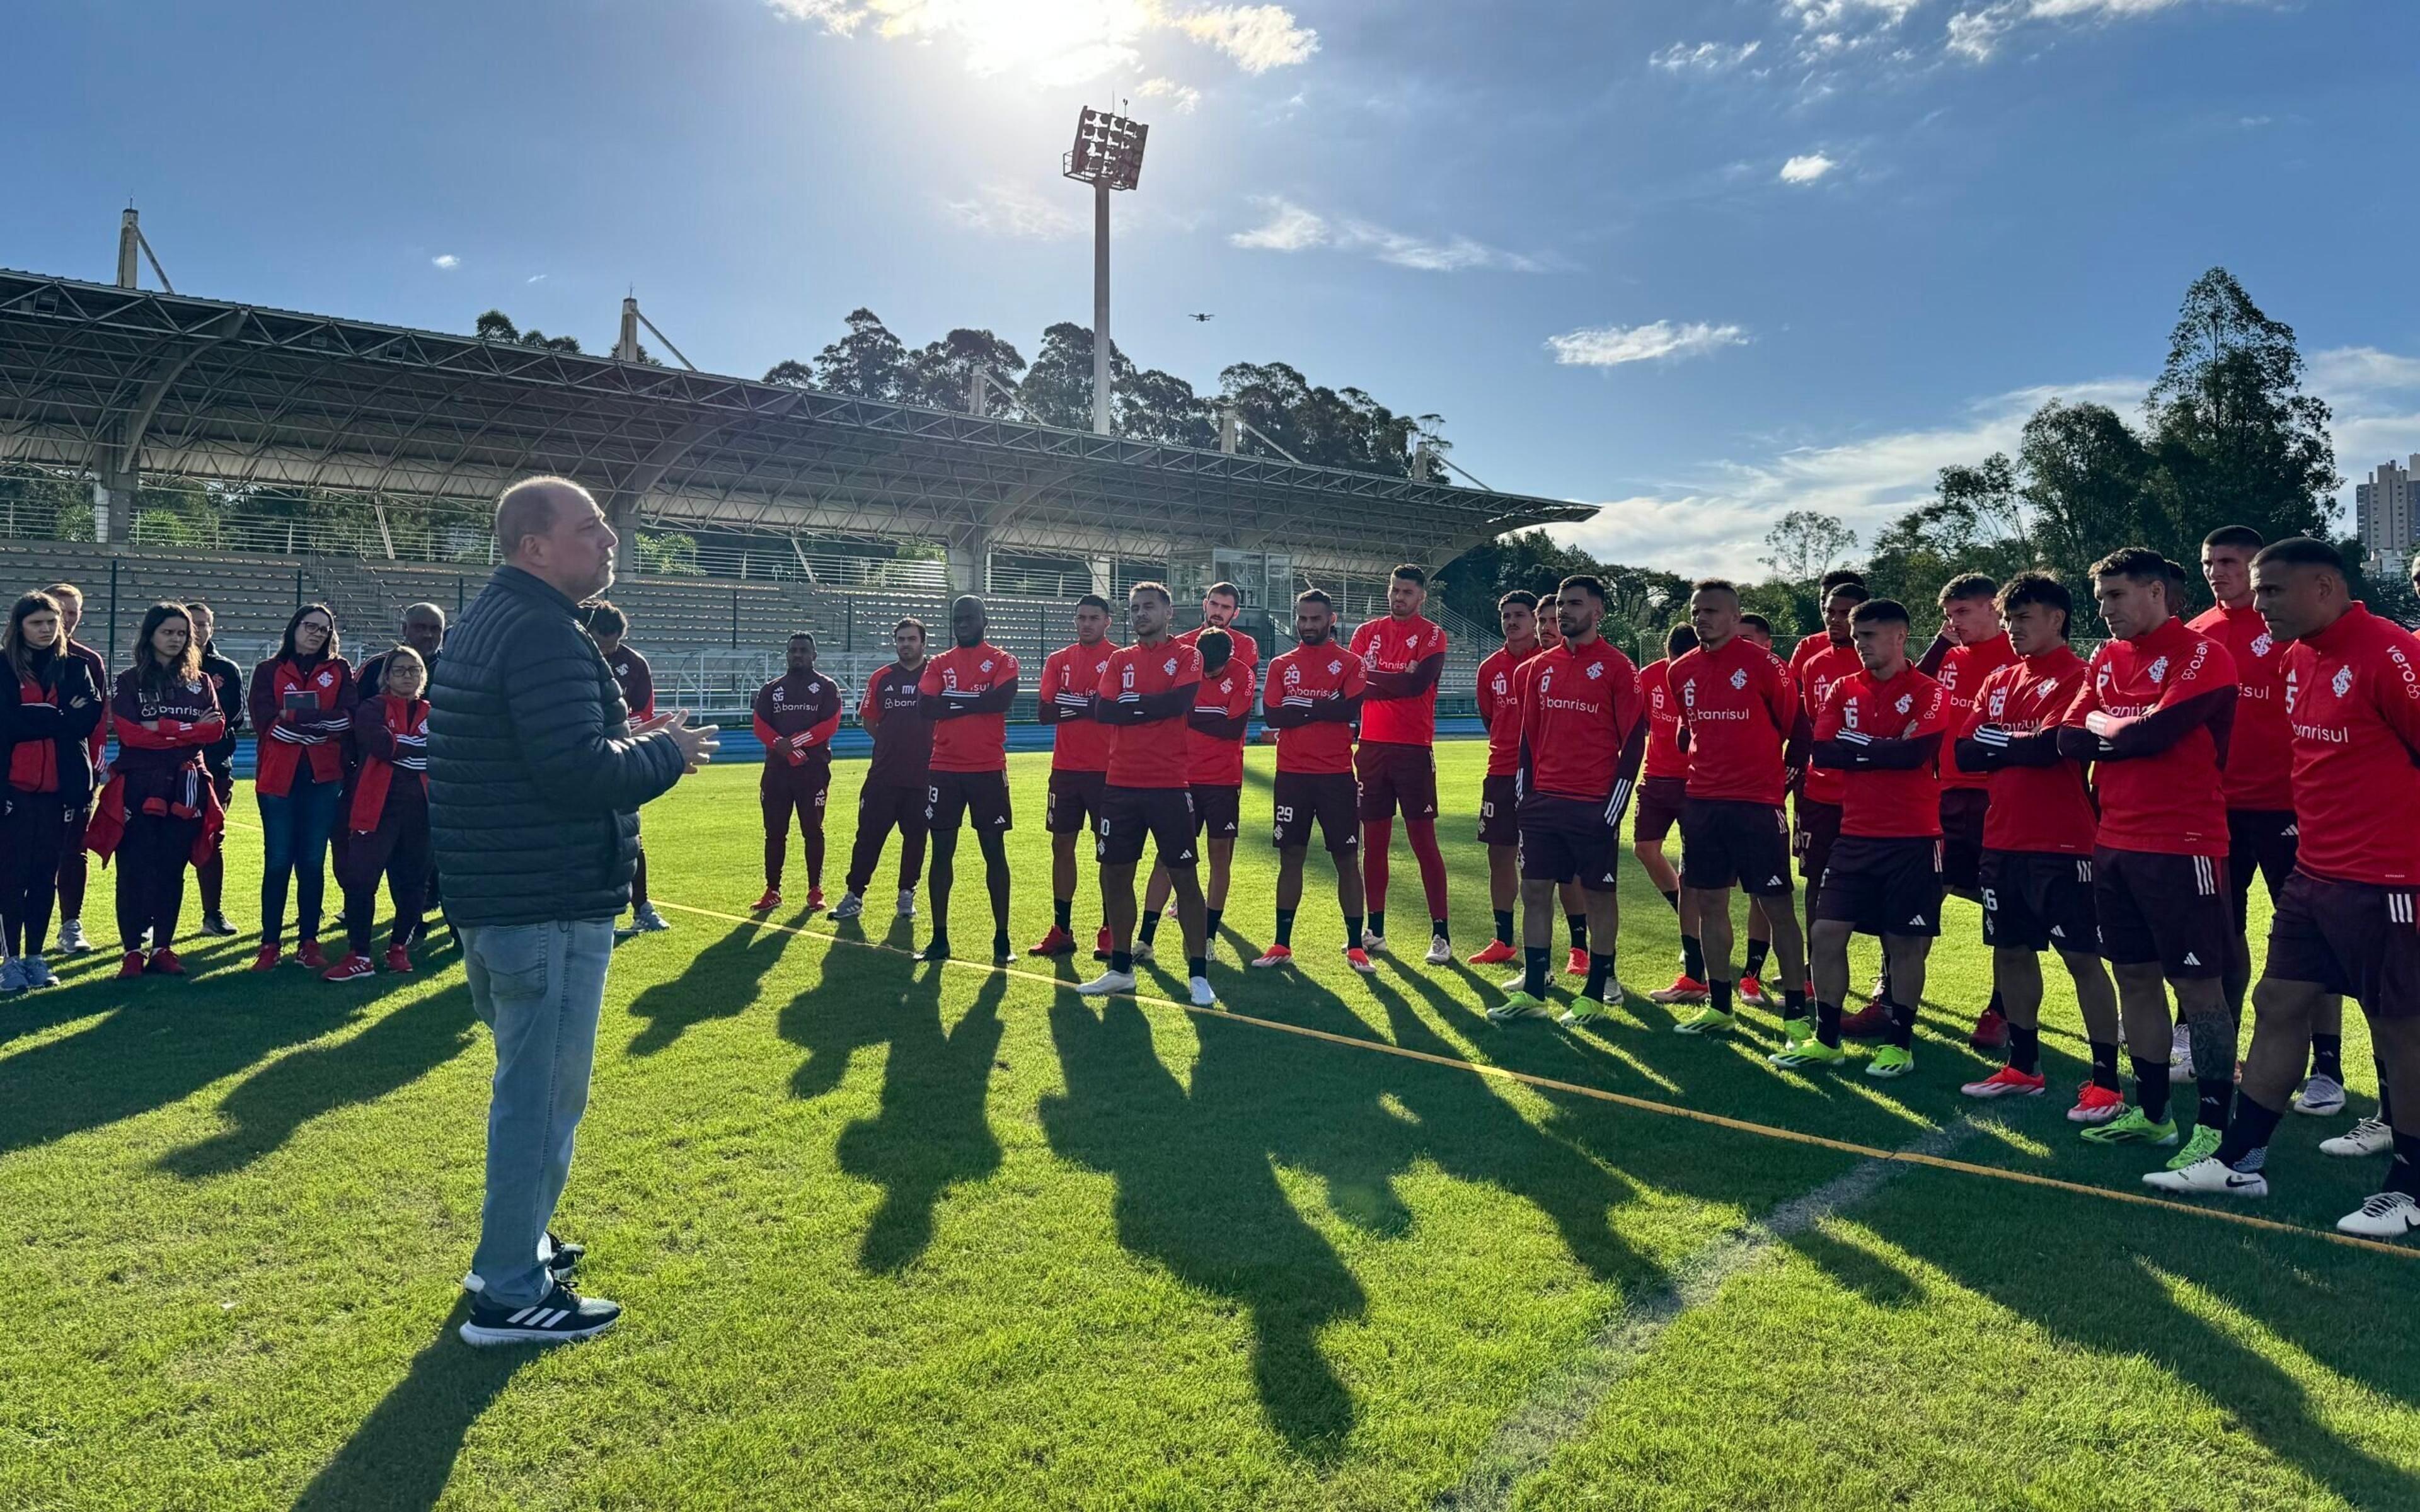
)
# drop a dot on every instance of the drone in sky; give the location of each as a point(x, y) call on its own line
point(1205, 318)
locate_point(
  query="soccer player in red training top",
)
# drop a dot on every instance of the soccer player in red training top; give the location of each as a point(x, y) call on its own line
point(966, 691)
point(2036, 875)
point(607, 626)
point(1663, 788)
point(2153, 716)
point(2346, 921)
point(894, 794)
point(1500, 830)
point(796, 716)
point(1080, 764)
point(1221, 602)
point(1149, 692)
point(1583, 731)
point(1402, 657)
point(1311, 698)
point(1818, 663)
point(1741, 724)
point(73, 868)
point(1972, 645)
point(2260, 824)
point(1882, 728)
point(1215, 775)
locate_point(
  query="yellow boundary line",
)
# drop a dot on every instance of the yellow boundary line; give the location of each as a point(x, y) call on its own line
point(1642, 1104)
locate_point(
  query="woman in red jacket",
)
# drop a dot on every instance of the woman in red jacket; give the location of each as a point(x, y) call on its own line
point(386, 828)
point(48, 707)
point(165, 712)
point(302, 704)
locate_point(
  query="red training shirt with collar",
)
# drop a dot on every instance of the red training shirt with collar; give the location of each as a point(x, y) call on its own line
point(892, 712)
point(1961, 674)
point(2353, 694)
point(1665, 757)
point(2172, 803)
point(1739, 709)
point(1393, 645)
point(1243, 648)
point(2041, 810)
point(1215, 761)
point(1314, 674)
point(1579, 706)
point(1156, 753)
point(970, 742)
point(1889, 804)
point(1078, 743)
point(2261, 747)
point(1500, 704)
point(1815, 673)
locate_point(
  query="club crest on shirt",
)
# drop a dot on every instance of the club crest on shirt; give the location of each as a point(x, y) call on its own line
point(1334, 668)
point(1906, 701)
point(1596, 669)
point(2261, 644)
point(2158, 671)
point(985, 667)
point(1739, 678)
point(326, 677)
point(2342, 682)
point(1168, 666)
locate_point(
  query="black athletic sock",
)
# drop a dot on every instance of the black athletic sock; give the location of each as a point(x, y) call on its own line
point(1995, 1006)
point(1504, 926)
point(1147, 928)
point(2403, 1175)
point(2217, 1095)
point(2385, 1107)
point(1001, 948)
point(1827, 1024)
point(1197, 966)
point(1285, 928)
point(1756, 950)
point(1902, 1025)
point(2327, 1057)
point(2151, 1086)
point(2104, 1066)
point(1533, 970)
point(1210, 918)
point(1793, 1002)
point(1600, 972)
point(1438, 930)
point(1578, 924)
point(1122, 961)
point(1693, 958)
point(1353, 932)
point(1377, 924)
point(2248, 1135)
point(1719, 997)
point(1673, 898)
point(2024, 1048)
point(1063, 912)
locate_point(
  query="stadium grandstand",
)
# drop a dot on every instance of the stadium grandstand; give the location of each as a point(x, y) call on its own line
point(776, 507)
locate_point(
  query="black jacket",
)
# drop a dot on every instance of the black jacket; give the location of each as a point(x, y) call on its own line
point(535, 783)
point(68, 725)
point(231, 683)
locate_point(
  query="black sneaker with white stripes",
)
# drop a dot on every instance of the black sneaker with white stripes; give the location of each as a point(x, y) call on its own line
point(558, 1318)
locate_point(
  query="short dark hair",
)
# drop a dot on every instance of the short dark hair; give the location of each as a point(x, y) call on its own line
point(1094, 601)
point(1314, 596)
point(1680, 641)
point(1854, 593)
point(2303, 551)
point(1880, 611)
point(807, 636)
point(2042, 588)
point(2243, 536)
point(1587, 582)
point(1714, 585)
point(602, 618)
point(1968, 585)
point(1215, 646)
point(1519, 595)
point(1230, 589)
point(912, 623)
point(193, 604)
point(1758, 622)
point(1410, 574)
point(2139, 562)
point(1841, 577)
point(1148, 586)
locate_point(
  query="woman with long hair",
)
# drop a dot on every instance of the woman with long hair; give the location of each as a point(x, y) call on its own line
point(385, 830)
point(302, 704)
point(48, 708)
point(165, 714)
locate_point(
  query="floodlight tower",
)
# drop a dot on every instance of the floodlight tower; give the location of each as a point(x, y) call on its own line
point(1107, 155)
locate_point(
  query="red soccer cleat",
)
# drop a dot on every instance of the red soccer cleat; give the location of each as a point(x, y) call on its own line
point(1870, 1022)
point(1751, 992)
point(1358, 959)
point(268, 959)
point(1277, 955)
point(2095, 1103)
point(353, 967)
point(815, 900)
point(1495, 954)
point(132, 966)
point(310, 957)
point(1684, 989)
point(1577, 964)
point(1058, 942)
point(398, 958)
point(164, 964)
point(2007, 1082)
point(1990, 1031)
point(1104, 947)
point(765, 904)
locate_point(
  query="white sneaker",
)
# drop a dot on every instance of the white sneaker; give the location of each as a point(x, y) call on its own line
point(1440, 952)
point(849, 907)
point(1143, 954)
point(12, 977)
point(2387, 1215)
point(2321, 1097)
point(1204, 996)
point(907, 902)
point(647, 921)
point(1372, 943)
point(37, 972)
point(1107, 982)
point(72, 937)
point(2371, 1137)
point(2180, 1055)
point(2205, 1178)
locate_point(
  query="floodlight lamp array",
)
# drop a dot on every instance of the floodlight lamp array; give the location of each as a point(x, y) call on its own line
point(1109, 149)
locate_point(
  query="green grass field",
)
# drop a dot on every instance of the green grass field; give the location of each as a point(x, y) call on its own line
point(894, 1235)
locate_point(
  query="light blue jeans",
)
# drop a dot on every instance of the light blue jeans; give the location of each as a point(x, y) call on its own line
point(540, 988)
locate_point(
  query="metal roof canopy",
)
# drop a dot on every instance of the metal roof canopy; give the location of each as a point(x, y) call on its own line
point(119, 382)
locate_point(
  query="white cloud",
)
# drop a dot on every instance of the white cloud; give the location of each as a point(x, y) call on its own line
point(2348, 372)
point(445, 261)
point(1975, 35)
point(1291, 227)
point(1807, 167)
point(1258, 37)
point(1706, 57)
point(1014, 210)
point(1830, 15)
point(1612, 345)
point(1053, 43)
point(1185, 97)
point(534, 278)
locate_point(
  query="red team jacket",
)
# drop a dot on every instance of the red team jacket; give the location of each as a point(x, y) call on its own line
point(2352, 695)
point(1078, 743)
point(1304, 677)
point(972, 742)
point(1216, 755)
point(289, 739)
point(1154, 754)
point(1392, 651)
point(2169, 799)
point(1815, 671)
point(1581, 730)
point(1961, 675)
point(1499, 706)
point(1665, 757)
point(2041, 801)
point(1740, 711)
point(1889, 802)
point(795, 717)
point(2261, 747)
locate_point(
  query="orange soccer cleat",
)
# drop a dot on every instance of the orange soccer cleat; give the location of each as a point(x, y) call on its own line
point(2095, 1103)
point(1495, 954)
point(1577, 964)
point(1358, 959)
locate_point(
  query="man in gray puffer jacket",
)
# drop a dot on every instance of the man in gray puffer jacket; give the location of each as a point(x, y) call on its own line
point(535, 775)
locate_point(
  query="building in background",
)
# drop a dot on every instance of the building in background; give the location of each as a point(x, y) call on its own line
point(2382, 511)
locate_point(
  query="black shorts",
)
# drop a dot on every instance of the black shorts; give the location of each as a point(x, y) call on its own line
point(1073, 801)
point(782, 787)
point(951, 795)
point(1819, 830)
point(2038, 901)
point(1566, 840)
point(2263, 841)
point(2155, 907)
point(882, 806)
point(1393, 775)
point(1328, 798)
point(1499, 798)
point(1659, 808)
point(1218, 810)
point(1129, 815)
point(1961, 837)
point(2353, 938)
point(1724, 842)
point(1884, 886)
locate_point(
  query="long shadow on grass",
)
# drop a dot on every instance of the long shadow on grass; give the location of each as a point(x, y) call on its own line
point(404, 1451)
point(719, 982)
point(931, 1132)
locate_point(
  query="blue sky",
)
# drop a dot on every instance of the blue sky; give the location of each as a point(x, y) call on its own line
point(1699, 262)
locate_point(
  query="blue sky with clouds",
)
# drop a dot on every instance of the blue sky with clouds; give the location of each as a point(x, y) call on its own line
point(1700, 262)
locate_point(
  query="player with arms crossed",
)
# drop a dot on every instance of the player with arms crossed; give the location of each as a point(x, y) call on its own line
point(796, 715)
point(1079, 764)
point(1663, 788)
point(1583, 732)
point(2345, 923)
point(1148, 693)
point(1972, 645)
point(1500, 828)
point(1215, 775)
point(1817, 663)
point(1402, 657)
point(966, 692)
point(2153, 716)
point(892, 795)
point(1313, 695)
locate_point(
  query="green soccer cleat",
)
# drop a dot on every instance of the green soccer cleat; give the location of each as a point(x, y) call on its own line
point(1705, 1021)
point(1889, 1061)
point(2131, 1128)
point(1584, 1010)
point(1520, 1005)
point(1799, 1055)
point(2199, 1147)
